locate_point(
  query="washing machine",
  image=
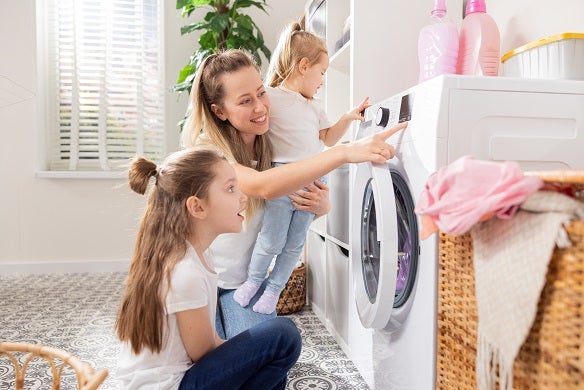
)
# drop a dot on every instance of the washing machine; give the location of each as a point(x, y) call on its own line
point(538, 123)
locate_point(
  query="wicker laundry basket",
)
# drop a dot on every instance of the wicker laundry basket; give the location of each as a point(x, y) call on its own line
point(552, 356)
point(293, 297)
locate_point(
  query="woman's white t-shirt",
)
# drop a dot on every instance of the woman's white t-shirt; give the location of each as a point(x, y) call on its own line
point(192, 286)
point(232, 252)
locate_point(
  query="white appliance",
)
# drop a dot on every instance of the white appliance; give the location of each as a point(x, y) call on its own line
point(539, 123)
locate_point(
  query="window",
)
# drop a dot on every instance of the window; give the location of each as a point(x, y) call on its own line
point(104, 83)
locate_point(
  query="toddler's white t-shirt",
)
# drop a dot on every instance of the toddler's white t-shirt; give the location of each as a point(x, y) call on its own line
point(295, 123)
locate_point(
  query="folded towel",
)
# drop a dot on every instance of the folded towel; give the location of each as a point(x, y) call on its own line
point(468, 190)
point(511, 260)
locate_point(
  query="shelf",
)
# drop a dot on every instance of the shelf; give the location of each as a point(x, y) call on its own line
point(328, 237)
point(340, 243)
point(341, 60)
point(319, 226)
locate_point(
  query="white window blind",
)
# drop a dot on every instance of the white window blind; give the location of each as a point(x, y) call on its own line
point(106, 94)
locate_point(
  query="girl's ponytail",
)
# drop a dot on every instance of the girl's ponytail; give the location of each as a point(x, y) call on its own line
point(141, 170)
point(294, 44)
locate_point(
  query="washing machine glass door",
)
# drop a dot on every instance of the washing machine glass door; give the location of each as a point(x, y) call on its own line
point(407, 245)
point(375, 265)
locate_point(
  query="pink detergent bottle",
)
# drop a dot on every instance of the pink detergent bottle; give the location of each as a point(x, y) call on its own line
point(437, 44)
point(479, 46)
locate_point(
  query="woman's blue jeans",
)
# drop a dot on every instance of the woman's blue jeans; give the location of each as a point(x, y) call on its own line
point(232, 319)
point(258, 358)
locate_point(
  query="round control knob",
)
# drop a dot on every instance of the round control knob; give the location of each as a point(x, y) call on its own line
point(382, 116)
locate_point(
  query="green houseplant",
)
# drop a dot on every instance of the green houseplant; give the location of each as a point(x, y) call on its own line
point(223, 27)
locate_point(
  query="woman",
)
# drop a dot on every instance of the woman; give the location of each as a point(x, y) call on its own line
point(230, 109)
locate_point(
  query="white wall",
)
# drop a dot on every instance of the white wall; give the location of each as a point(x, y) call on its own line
point(54, 225)
point(524, 21)
point(90, 224)
point(519, 22)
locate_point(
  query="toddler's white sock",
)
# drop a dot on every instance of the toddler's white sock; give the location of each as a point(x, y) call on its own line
point(267, 302)
point(245, 292)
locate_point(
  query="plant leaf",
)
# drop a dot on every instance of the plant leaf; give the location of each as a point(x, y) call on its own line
point(210, 15)
point(218, 23)
point(266, 52)
point(188, 6)
point(245, 21)
point(184, 73)
point(189, 28)
point(243, 33)
point(248, 3)
point(208, 40)
point(191, 3)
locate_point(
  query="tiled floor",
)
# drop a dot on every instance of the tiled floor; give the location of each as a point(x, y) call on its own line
point(76, 312)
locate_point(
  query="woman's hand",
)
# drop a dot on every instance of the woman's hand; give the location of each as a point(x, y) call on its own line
point(315, 200)
point(374, 148)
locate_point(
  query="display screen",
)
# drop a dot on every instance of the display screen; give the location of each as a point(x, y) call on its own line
point(405, 110)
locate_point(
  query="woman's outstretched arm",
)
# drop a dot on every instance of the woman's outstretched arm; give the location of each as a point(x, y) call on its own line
point(287, 178)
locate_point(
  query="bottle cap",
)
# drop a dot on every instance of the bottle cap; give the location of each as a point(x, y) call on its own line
point(475, 6)
point(440, 5)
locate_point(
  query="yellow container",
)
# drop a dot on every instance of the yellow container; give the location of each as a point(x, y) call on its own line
point(557, 57)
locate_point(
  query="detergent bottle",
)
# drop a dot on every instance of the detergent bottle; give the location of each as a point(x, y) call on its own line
point(479, 46)
point(437, 44)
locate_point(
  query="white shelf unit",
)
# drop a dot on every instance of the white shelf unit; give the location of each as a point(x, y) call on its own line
point(327, 255)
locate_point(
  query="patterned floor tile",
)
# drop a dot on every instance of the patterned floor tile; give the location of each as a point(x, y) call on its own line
point(76, 312)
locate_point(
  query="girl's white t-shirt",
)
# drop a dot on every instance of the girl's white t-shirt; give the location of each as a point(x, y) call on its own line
point(232, 252)
point(295, 124)
point(192, 286)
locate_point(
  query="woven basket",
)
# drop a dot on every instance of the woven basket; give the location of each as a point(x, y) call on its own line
point(293, 297)
point(552, 356)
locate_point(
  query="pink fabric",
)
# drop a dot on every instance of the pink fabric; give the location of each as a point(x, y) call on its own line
point(468, 190)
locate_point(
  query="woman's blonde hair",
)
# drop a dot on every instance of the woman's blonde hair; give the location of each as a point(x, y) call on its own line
point(161, 239)
point(203, 126)
point(294, 44)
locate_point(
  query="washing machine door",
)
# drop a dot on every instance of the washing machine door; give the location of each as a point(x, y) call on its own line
point(374, 244)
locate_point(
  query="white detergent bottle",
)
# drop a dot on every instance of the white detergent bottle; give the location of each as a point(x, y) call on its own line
point(479, 47)
point(437, 44)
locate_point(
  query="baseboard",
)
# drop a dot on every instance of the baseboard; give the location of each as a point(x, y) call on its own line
point(337, 336)
point(319, 313)
point(30, 268)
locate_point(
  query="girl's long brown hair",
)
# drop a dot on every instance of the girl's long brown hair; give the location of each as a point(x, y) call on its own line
point(294, 44)
point(203, 126)
point(161, 240)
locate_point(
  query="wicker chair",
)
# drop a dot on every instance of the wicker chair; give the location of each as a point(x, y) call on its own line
point(21, 354)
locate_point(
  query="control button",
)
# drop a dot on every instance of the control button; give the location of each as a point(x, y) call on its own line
point(382, 117)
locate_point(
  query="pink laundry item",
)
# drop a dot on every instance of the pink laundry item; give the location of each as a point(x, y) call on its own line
point(468, 191)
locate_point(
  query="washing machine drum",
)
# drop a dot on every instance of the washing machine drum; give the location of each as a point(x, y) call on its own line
point(387, 247)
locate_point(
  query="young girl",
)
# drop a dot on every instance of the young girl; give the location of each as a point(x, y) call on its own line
point(230, 110)
point(166, 319)
point(299, 128)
